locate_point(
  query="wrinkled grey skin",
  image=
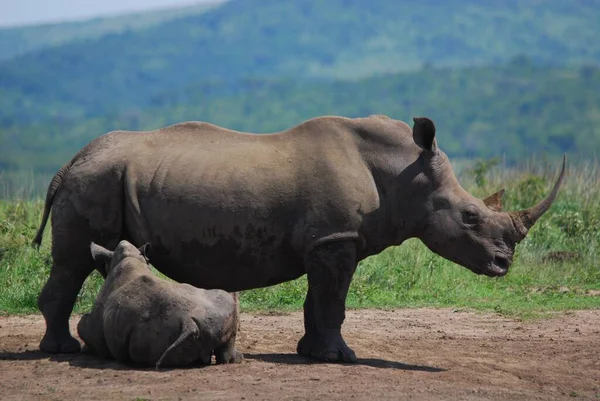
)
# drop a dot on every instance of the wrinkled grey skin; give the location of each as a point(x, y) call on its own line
point(142, 319)
point(231, 210)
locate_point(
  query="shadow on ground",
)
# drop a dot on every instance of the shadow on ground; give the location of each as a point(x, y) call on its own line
point(294, 359)
point(81, 360)
point(86, 360)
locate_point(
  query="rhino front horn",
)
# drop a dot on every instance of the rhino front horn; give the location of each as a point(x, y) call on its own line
point(525, 219)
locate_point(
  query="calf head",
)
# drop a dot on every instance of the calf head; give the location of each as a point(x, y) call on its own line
point(474, 233)
point(124, 250)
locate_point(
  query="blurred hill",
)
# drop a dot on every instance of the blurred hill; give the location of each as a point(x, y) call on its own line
point(23, 39)
point(498, 77)
point(514, 110)
point(347, 39)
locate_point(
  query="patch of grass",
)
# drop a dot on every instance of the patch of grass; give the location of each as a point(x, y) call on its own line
point(555, 268)
point(23, 269)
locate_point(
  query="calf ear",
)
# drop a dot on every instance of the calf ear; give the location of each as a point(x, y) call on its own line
point(494, 201)
point(144, 249)
point(100, 254)
point(424, 133)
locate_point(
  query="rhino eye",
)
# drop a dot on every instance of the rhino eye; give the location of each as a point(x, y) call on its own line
point(471, 215)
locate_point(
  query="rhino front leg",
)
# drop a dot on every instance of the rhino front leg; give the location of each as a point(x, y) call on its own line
point(330, 268)
point(310, 326)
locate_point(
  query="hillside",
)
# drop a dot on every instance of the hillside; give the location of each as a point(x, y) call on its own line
point(514, 110)
point(346, 39)
point(19, 40)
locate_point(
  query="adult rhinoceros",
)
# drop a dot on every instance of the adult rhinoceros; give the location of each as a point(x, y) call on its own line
point(235, 211)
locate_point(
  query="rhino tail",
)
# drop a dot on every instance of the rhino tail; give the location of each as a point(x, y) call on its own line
point(52, 190)
point(190, 328)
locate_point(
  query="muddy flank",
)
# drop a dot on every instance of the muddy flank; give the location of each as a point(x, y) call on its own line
point(419, 354)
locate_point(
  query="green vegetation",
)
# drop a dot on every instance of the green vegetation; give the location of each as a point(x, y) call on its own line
point(335, 39)
point(502, 79)
point(555, 268)
point(514, 110)
point(506, 78)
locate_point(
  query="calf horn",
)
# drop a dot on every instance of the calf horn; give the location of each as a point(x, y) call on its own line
point(525, 219)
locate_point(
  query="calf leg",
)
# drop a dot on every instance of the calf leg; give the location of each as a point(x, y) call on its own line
point(93, 336)
point(330, 268)
point(227, 353)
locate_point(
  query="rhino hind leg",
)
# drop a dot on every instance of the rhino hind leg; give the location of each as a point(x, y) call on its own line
point(72, 263)
point(330, 268)
point(56, 304)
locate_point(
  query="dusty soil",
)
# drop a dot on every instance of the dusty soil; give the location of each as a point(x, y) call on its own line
point(419, 354)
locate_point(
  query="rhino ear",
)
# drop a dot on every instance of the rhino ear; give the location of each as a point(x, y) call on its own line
point(144, 249)
point(494, 201)
point(100, 254)
point(424, 133)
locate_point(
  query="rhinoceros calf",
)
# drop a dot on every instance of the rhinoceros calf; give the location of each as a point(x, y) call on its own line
point(140, 318)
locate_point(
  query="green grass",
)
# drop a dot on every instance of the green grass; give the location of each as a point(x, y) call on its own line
point(405, 276)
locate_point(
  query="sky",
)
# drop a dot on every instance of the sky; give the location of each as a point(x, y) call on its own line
point(27, 12)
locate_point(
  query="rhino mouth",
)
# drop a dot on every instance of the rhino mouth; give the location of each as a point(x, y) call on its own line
point(498, 267)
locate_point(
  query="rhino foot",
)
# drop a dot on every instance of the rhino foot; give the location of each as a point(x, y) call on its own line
point(326, 350)
point(233, 356)
point(62, 345)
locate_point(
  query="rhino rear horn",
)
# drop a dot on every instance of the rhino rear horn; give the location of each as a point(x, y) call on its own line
point(100, 254)
point(494, 201)
point(525, 219)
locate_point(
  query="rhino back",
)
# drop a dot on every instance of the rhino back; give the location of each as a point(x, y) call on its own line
point(224, 209)
point(213, 309)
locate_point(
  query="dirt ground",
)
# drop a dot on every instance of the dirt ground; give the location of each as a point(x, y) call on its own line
point(419, 354)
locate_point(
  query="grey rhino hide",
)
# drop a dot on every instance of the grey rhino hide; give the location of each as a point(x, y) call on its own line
point(142, 319)
point(236, 211)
